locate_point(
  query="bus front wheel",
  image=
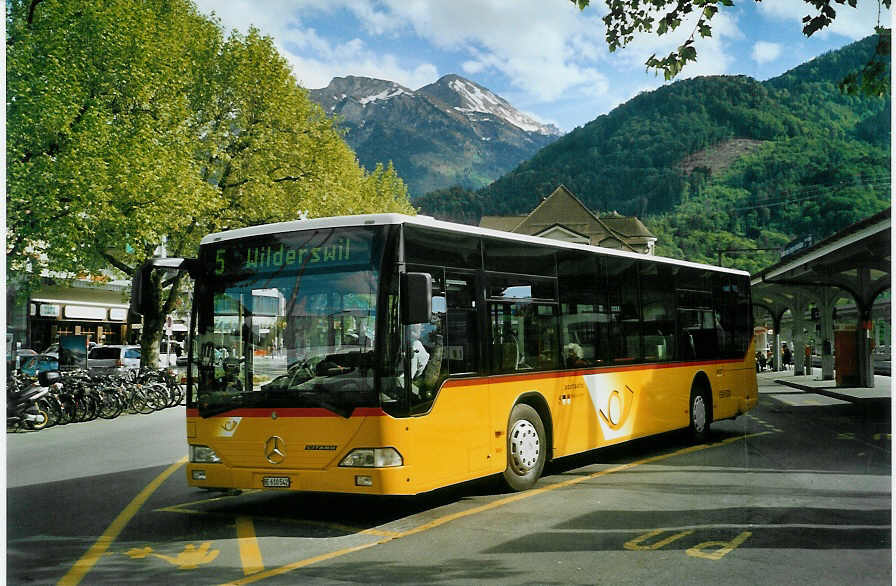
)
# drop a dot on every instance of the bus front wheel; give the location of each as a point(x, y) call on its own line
point(526, 448)
point(700, 415)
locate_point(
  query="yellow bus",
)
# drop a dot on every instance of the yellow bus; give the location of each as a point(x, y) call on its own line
point(390, 354)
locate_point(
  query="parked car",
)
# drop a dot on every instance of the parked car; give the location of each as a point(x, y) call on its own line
point(38, 363)
point(108, 359)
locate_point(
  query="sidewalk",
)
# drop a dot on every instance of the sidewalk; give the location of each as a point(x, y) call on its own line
point(772, 383)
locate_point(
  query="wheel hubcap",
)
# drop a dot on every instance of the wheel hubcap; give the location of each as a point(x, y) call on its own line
point(524, 446)
point(699, 415)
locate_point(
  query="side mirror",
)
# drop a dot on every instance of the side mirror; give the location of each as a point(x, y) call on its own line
point(416, 298)
point(138, 284)
point(141, 280)
point(48, 377)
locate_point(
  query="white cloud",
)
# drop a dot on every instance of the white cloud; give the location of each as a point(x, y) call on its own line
point(316, 60)
point(315, 73)
point(545, 49)
point(472, 67)
point(852, 23)
point(766, 52)
point(542, 56)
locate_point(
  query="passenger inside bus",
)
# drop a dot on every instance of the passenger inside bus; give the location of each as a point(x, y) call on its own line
point(426, 364)
point(574, 355)
point(419, 355)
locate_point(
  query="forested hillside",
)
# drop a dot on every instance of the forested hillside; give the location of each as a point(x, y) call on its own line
point(821, 163)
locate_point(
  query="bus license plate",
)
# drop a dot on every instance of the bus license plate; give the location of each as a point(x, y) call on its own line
point(275, 482)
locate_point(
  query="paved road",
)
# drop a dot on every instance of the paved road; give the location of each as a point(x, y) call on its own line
point(796, 492)
point(84, 450)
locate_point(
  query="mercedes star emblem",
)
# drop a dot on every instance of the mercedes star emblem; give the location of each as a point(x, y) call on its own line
point(275, 449)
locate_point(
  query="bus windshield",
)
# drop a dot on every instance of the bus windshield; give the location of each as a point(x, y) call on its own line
point(288, 321)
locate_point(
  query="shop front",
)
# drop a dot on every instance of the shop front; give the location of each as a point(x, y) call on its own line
point(99, 314)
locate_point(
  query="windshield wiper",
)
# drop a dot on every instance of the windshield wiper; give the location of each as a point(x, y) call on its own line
point(313, 397)
point(320, 398)
point(230, 405)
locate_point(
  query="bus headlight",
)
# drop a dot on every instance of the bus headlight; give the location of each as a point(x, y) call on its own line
point(203, 455)
point(373, 458)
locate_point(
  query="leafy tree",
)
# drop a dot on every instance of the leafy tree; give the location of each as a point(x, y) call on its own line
point(453, 204)
point(130, 125)
point(96, 138)
point(626, 18)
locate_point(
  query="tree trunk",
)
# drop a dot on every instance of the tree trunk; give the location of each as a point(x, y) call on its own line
point(154, 315)
point(153, 321)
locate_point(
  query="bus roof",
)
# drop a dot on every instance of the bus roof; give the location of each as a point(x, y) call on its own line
point(427, 221)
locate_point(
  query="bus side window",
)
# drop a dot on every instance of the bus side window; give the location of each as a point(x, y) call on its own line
point(505, 340)
point(658, 311)
point(462, 345)
point(625, 310)
point(584, 317)
point(696, 324)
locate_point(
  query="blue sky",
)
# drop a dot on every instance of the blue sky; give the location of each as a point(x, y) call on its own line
point(545, 57)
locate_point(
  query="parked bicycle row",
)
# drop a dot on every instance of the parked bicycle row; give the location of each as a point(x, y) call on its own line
point(58, 398)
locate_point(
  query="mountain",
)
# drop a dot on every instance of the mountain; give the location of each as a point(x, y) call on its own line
point(451, 132)
point(718, 162)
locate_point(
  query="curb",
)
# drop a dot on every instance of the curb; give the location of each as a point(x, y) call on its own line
point(831, 394)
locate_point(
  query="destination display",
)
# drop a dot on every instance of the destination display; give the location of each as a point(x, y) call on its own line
point(329, 248)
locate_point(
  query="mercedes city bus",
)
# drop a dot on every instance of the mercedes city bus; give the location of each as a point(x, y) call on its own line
point(390, 354)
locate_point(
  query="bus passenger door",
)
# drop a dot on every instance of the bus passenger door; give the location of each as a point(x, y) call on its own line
point(471, 401)
point(450, 414)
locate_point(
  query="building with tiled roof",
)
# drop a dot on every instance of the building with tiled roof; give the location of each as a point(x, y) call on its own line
point(563, 216)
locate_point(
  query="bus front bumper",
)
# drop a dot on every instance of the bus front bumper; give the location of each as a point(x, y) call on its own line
point(383, 481)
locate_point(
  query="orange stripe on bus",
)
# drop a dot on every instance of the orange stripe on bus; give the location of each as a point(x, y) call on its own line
point(461, 382)
point(290, 412)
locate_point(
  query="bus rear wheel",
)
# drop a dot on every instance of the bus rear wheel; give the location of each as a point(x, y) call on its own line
point(526, 448)
point(699, 415)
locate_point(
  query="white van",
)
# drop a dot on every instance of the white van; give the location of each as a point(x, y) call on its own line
point(113, 358)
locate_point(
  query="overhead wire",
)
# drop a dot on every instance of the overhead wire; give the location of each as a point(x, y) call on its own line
point(818, 190)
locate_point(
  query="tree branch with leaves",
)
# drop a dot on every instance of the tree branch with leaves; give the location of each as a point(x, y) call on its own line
point(628, 18)
point(132, 125)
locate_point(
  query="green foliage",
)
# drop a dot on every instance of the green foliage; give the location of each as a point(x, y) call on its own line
point(823, 163)
point(626, 19)
point(455, 203)
point(132, 124)
point(630, 155)
point(97, 139)
point(129, 124)
point(271, 153)
point(791, 188)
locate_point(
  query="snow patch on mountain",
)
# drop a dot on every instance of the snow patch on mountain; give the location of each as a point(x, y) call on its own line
point(385, 95)
point(475, 99)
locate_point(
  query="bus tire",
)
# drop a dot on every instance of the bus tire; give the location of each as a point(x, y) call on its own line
point(700, 415)
point(526, 448)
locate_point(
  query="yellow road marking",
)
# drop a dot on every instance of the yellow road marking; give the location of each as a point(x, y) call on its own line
point(482, 508)
point(250, 554)
point(637, 544)
point(724, 547)
point(189, 559)
point(89, 559)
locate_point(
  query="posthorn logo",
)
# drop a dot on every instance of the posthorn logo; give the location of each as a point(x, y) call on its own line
point(613, 405)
